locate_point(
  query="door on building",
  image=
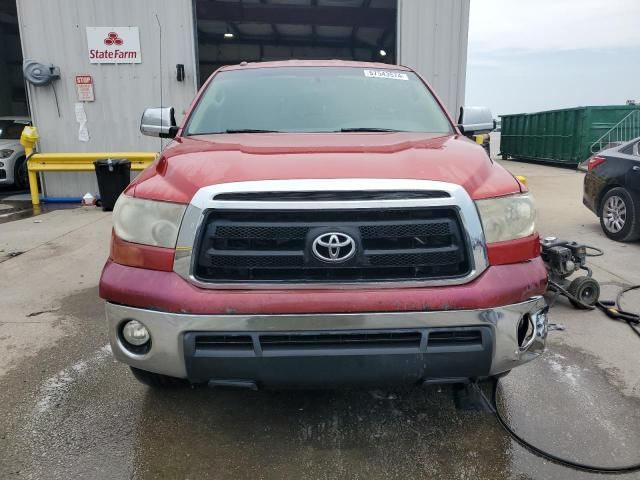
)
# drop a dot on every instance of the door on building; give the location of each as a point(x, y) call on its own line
point(230, 32)
point(13, 99)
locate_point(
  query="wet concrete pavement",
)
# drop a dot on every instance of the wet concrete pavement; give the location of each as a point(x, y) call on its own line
point(68, 410)
point(16, 205)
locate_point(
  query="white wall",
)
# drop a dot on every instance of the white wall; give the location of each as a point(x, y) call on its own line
point(54, 31)
point(432, 39)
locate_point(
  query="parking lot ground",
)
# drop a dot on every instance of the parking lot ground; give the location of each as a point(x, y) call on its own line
point(68, 410)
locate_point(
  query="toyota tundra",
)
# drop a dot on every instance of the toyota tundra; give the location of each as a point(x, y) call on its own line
point(320, 224)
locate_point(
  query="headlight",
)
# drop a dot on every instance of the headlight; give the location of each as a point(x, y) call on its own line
point(507, 218)
point(6, 153)
point(147, 221)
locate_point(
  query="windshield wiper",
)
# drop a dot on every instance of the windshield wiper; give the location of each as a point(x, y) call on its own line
point(251, 130)
point(369, 129)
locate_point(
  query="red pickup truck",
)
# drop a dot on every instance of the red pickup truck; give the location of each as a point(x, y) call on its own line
point(322, 223)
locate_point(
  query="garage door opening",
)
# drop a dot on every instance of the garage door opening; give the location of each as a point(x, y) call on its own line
point(230, 32)
point(13, 99)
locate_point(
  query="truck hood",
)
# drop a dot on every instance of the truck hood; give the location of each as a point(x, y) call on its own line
point(191, 163)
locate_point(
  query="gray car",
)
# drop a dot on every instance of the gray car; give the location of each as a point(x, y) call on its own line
point(13, 167)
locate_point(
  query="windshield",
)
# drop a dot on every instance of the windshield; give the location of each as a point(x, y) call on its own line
point(317, 99)
point(11, 129)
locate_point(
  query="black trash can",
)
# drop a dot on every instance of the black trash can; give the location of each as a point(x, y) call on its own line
point(113, 177)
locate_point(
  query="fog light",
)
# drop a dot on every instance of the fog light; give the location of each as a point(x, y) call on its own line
point(135, 333)
point(1, 164)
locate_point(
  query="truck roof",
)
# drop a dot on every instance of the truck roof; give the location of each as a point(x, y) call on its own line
point(315, 63)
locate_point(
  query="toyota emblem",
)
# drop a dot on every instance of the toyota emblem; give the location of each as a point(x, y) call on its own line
point(334, 247)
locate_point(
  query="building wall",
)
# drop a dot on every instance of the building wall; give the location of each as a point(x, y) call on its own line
point(432, 39)
point(54, 31)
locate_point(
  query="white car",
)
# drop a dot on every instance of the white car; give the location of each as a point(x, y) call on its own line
point(13, 166)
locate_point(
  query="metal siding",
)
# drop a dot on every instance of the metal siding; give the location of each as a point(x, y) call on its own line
point(54, 31)
point(432, 39)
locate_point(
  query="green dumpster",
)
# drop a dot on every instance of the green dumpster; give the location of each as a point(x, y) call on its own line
point(568, 136)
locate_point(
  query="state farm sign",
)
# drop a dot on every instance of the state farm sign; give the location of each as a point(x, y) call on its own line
point(113, 45)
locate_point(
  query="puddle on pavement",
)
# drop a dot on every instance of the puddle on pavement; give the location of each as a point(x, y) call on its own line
point(11, 210)
point(579, 413)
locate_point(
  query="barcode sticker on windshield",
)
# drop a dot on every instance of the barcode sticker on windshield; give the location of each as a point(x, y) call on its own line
point(386, 74)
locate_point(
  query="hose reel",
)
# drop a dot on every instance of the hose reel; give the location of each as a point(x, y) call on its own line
point(40, 74)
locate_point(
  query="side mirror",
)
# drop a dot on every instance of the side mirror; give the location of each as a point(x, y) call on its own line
point(159, 122)
point(475, 121)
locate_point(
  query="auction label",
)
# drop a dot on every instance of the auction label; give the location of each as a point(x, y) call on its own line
point(386, 74)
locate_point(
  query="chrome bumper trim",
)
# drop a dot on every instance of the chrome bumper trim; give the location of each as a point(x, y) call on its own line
point(166, 355)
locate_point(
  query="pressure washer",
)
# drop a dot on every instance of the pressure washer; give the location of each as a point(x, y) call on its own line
point(564, 258)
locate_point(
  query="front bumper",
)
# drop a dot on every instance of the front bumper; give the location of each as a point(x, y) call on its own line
point(6, 171)
point(314, 361)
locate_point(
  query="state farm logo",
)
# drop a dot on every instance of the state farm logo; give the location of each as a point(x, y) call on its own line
point(115, 44)
point(113, 39)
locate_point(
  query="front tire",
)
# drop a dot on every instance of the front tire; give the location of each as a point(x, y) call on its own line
point(619, 216)
point(20, 174)
point(157, 380)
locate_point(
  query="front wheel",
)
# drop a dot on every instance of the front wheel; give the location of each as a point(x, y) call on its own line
point(20, 174)
point(619, 216)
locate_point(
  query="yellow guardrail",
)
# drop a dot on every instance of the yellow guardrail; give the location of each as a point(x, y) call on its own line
point(70, 162)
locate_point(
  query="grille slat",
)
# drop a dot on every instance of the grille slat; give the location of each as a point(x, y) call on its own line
point(262, 259)
point(235, 343)
point(406, 258)
point(275, 245)
point(406, 230)
point(224, 342)
point(262, 232)
point(341, 341)
point(450, 338)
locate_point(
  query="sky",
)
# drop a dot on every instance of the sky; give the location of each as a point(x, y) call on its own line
point(527, 56)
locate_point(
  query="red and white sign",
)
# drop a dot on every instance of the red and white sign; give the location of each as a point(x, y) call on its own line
point(84, 87)
point(113, 45)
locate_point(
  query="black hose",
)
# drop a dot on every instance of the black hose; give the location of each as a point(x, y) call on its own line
point(599, 252)
point(617, 313)
point(493, 404)
point(632, 319)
